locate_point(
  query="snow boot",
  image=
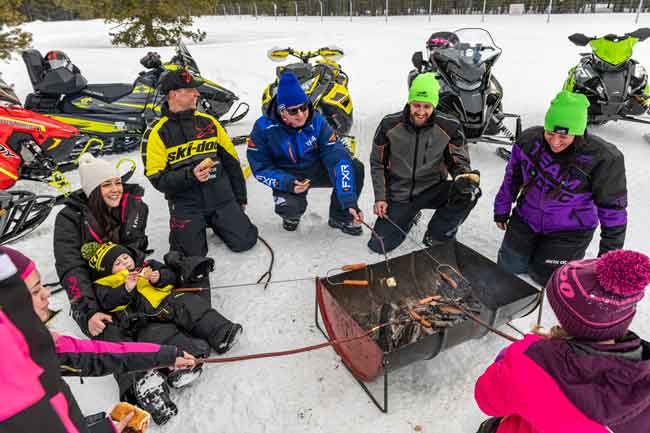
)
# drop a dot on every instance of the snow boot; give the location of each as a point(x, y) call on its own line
point(182, 377)
point(152, 394)
point(290, 224)
point(228, 342)
point(348, 227)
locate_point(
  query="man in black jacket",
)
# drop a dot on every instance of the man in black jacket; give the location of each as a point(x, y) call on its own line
point(413, 154)
point(189, 157)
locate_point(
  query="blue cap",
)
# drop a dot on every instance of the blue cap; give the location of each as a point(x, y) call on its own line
point(290, 93)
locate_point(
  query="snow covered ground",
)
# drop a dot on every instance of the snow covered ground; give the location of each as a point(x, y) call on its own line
point(313, 392)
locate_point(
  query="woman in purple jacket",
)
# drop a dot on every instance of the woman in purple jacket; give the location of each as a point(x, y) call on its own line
point(592, 374)
point(564, 182)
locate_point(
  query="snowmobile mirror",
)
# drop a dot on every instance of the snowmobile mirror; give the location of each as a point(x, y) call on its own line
point(129, 173)
point(641, 34)
point(579, 39)
point(277, 54)
point(418, 60)
point(331, 53)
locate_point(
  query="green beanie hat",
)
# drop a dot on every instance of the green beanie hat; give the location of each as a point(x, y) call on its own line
point(567, 114)
point(425, 88)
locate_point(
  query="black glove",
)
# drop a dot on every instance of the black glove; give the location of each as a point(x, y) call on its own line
point(191, 269)
point(465, 189)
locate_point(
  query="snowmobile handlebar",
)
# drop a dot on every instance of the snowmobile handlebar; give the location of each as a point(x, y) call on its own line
point(581, 40)
point(280, 54)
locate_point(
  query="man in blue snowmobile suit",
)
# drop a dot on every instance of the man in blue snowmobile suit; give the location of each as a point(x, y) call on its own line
point(292, 148)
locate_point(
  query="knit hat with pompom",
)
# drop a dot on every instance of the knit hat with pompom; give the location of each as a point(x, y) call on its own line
point(596, 299)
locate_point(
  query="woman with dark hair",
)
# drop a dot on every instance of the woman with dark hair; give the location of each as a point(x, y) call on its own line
point(106, 210)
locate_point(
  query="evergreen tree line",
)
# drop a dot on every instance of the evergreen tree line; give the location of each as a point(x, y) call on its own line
point(161, 22)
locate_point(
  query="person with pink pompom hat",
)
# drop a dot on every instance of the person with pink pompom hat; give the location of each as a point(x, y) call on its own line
point(590, 374)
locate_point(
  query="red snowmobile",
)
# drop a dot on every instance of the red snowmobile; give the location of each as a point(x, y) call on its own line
point(32, 147)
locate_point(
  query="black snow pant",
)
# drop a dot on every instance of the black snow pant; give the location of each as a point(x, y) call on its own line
point(292, 206)
point(188, 224)
point(194, 315)
point(442, 226)
point(539, 255)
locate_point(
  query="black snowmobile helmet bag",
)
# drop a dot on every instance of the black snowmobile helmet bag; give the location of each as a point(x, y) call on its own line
point(179, 79)
point(58, 59)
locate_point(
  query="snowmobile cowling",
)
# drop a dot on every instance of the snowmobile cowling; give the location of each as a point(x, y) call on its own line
point(494, 295)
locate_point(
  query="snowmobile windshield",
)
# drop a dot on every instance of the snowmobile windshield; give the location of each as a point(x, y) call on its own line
point(613, 52)
point(468, 58)
point(183, 55)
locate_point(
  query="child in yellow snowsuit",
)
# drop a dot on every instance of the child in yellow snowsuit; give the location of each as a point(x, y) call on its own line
point(135, 296)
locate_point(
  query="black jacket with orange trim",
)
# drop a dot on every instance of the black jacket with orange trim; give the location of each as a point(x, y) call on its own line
point(176, 143)
point(407, 160)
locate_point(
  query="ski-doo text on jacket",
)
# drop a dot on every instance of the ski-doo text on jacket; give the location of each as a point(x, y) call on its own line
point(75, 226)
point(276, 150)
point(407, 160)
point(176, 143)
point(567, 191)
point(567, 386)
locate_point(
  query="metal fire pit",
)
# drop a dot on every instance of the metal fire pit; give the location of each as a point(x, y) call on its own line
point(349, 311)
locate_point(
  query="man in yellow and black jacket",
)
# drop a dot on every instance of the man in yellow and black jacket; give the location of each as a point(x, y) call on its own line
point(200, 192)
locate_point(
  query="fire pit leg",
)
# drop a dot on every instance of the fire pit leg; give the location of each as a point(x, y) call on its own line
point(383, 408)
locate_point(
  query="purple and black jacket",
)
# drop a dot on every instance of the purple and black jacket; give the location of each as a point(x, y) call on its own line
point(572, 190)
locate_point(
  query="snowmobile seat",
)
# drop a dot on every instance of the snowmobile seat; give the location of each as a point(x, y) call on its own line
point(302, 71)
point(35, 66)
point(107, 92)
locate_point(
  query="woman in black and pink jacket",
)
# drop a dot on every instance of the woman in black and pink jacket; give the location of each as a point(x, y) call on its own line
point(34, 359)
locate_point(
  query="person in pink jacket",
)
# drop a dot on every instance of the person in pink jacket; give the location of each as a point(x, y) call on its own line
point(591, 375)
point(35, 359)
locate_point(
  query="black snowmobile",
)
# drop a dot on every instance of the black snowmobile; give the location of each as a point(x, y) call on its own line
point(116, 114)
point(462, 61)
point(324, 82)
point(615, 84)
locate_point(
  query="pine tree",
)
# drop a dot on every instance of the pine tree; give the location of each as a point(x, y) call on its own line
point(144, 22)
point(154, 22)
point(11, 38)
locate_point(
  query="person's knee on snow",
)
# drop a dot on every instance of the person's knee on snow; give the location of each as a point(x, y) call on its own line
point(191, 178)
